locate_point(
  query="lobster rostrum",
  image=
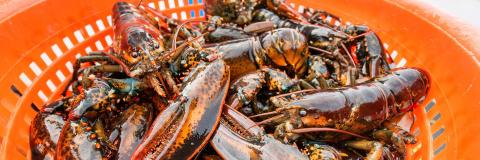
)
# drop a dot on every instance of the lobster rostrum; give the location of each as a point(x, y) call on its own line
point(357, 109)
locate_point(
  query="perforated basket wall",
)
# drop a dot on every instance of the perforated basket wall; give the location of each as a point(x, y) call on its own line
point(40, 39)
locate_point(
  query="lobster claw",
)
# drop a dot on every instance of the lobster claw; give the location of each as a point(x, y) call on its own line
point(187, 124)
point(75, 143)
point(44, 135)
point(238, 137)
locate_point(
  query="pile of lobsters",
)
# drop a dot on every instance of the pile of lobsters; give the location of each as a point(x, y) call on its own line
point(255, 80)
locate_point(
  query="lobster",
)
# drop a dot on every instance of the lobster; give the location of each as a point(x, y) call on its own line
point(354, 110)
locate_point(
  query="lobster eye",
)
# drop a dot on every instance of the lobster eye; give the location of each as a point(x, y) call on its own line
point(134, 54)
point(302, 112)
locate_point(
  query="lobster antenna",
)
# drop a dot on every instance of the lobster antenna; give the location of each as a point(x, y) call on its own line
point(296, 92)
point(320, 50)
point(139, 3)
point(174, 53)
point(308, 130)
point(264, 114)
point(174, 42)
point(266, 121)
point(358, 36)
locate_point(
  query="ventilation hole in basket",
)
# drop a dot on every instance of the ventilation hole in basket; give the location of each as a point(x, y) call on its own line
point(109, 20)
point(180, 3)
point(190, 2)
point(69, 66)
point(89, 29)
point(174, 16)
point(435, 118)
point(15, 90)
point(394, 54)
point(385, 45)
point(46, 59)
point(416, 132)
point(200, 1)
point(56, 50)
point(328, 19)
point(34, 107)
point(99, 45)
point(292, 4)
point(161, 5)
point(440, 149)
point(337, 23)
point(60, 75)
point(51, 86)
point(78, 55)
point(68, 43)
point(21, 150)
point(34, 67)
point(42, 96)
point(438, 133)
point(192, 13)
point(25, 79)
point(100, 25)
point(78, 35)
point(416, 147)
point(108, 38)
point(88, 50)
point(430, 105)
point(171, 3)
point(201, 13)
point(301, 8)
point(402, 62)
point(151, 5)
point(183, 15)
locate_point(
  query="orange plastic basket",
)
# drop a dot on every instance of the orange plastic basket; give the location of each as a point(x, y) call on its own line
point(41, 38)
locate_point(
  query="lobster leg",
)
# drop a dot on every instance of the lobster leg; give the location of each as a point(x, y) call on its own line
point(92, 57)
point(247, 87)
point(282, 8)
point(374, 148)
point(187, 124)
point(407, 137)
point(391, 138)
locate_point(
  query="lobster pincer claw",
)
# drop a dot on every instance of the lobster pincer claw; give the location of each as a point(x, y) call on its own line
point(238, 137)
point(187, 124)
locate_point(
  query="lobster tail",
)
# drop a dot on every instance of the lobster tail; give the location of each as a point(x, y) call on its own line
point(407, 86)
